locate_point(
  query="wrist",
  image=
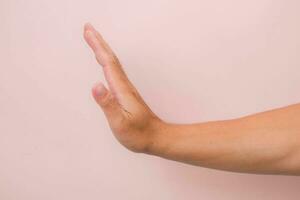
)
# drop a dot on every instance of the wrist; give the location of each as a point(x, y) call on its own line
point(158, 141)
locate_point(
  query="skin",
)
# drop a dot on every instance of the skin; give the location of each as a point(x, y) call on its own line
point(263, 143)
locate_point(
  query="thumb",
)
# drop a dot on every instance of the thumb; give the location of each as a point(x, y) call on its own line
point(106, 101)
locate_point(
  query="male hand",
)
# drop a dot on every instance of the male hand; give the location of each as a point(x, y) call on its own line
point(264, 143)
point(130, 119)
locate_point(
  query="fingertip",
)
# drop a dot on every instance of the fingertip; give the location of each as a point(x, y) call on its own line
point(99, 90)
point(91, 39)
point(89, 31)
point(88, 26)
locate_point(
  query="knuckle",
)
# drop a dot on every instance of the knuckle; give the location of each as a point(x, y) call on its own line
point(112, 59)
point(106, 100)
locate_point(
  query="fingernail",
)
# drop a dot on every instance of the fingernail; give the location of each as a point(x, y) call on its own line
point(99, 90)
point(88, 26)
point(89, 33)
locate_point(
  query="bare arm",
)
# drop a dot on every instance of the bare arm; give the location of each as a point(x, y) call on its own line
point(264, 143)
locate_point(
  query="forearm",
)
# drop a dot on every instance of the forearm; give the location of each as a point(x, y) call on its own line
point(267, 143)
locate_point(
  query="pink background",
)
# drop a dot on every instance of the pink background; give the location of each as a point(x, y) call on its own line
point(192, 61)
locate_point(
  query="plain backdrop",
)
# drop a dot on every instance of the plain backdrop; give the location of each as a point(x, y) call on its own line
point(192, 61)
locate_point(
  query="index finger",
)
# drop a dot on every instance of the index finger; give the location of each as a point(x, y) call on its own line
point(118, 81)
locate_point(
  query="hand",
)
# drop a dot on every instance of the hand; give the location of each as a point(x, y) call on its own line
point(266, 143)
point(130, 119)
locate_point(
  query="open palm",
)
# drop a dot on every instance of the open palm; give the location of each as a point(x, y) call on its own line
point(130, 119)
